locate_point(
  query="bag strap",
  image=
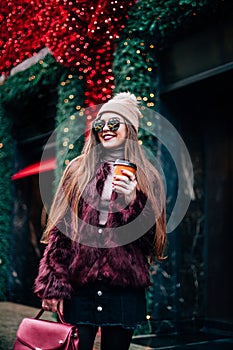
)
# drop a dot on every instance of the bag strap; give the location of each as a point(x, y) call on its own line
point(60, 317)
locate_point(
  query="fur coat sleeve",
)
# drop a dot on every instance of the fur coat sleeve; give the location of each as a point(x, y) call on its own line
point(53, 279)
point(142, 209)
point(141, 216)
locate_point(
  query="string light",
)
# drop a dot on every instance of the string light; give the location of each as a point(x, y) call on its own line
point(77, 36)
point(69, 42)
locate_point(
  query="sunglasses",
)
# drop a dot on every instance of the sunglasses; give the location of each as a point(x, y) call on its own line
point(113, 124)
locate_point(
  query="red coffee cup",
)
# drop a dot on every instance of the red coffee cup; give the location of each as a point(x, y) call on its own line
point(121, 164)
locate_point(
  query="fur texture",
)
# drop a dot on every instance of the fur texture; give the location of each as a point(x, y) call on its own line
point(66, 265)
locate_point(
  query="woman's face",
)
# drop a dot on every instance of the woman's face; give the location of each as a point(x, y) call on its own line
point(112, 139)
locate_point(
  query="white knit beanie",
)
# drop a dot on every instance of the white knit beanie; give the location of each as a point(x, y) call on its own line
point(124, 104)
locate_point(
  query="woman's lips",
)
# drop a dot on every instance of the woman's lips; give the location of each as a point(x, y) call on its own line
point(108, 137)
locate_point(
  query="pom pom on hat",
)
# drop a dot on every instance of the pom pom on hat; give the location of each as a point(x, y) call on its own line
point(124, 104)
point(125, 95)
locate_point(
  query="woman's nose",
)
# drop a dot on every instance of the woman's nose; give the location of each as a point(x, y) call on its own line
point(106, 126)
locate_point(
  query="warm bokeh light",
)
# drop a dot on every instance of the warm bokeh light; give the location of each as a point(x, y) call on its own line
point(79, 34)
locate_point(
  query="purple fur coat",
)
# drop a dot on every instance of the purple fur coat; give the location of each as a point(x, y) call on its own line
point(118, 253)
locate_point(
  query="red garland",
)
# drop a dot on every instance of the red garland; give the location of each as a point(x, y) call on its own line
point(79, 34)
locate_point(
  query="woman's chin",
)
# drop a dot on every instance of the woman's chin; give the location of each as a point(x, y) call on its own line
point(113, 143)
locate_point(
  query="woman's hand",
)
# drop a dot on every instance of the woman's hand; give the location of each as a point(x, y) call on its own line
point(53, 305)
point(126, 184)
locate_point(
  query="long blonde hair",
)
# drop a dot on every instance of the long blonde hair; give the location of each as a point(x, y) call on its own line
point(81, 170)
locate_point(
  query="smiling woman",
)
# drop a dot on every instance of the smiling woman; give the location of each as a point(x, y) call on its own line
point(102, 231)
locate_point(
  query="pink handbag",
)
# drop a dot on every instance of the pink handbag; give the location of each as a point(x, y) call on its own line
point(38, 334)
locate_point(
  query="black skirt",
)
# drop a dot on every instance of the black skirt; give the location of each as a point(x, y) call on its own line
point(100, 304)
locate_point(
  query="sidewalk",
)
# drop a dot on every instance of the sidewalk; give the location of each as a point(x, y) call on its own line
point(11, 315)
point(195, 341)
